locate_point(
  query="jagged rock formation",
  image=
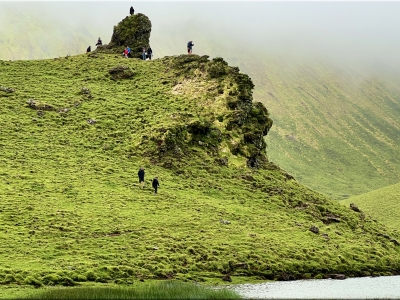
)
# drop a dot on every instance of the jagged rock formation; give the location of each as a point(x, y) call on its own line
point(234, 121)
point(133, 31)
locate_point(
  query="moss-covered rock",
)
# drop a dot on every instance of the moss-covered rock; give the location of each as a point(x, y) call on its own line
point(121, 72)
point(133, 31)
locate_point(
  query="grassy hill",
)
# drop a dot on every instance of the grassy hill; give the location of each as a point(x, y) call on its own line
point(336, 128)
point(382, 204)
point(75, 131)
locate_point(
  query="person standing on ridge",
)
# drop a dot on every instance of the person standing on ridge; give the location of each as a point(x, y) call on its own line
point(141, 176)
point(131, 11)
point(126, 52)
point(144, 53)
point(149, 52)
point(155, 184)
point(99, 42)
point(189, 47)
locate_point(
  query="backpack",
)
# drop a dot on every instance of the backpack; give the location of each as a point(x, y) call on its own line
point(189, 44)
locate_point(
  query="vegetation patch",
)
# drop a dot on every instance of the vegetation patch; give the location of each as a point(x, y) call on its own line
point(162, 290)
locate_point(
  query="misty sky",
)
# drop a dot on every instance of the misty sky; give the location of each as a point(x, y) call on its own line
point(351, 31)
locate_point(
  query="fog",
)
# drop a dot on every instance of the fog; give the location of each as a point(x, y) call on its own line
point(365, 33)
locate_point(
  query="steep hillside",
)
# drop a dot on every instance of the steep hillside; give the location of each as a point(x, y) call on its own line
point(75, 130)
point(336, 128)
point(382, 204)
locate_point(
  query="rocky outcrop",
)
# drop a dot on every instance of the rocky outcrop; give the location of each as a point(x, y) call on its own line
point(245, 123)
point(121, 72)
point(314, 229)
point(133, 31)
point(354, 207)
point(6, 89)
point(40, 106)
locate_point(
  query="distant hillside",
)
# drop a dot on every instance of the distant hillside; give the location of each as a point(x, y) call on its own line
point(382, 204)
point(75, 131)
point(26, 34)
point(336, 131)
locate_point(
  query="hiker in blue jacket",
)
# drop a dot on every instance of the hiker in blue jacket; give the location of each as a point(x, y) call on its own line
point(144, 53)
point(189, 47)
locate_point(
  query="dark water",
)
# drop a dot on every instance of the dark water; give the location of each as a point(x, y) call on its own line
point(385, 287)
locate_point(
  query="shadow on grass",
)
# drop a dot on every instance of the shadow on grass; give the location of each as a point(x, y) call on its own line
point(163, 290)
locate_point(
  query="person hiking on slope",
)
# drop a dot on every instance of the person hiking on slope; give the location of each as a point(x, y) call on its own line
point(149, 52)
point(129, 49)
point(155, 184)
point(141, 176)
point(144, 53)
point(99, 42)
point(189, 47)
point(131, 11)
point(88, 49)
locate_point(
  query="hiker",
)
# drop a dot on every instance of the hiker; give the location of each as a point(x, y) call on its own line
point(131, 11)
point(144, 53)
point(129, 50)
point(99, 42)
point(189, 47)
point(149, 52)
point(88, 49)
point(126, 52)
point(155, 184)
point(141, 176)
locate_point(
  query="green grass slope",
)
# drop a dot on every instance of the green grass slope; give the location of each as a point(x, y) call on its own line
point(336, 128)
point(382, 204)
point(336, 131)
point(73, 138)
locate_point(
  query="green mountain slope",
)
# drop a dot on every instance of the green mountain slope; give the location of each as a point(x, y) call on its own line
point(336, 131)
point(382, 204)
point(336, 128)
point(74, 132)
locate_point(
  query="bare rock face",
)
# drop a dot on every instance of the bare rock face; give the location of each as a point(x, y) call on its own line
point(133, 31)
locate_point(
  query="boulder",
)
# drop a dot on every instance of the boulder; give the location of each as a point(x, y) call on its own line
point(6, 89)
point(133, 31)
point(222, 161)
point(314, 229)
point(121, 72)
point(39, 106)
point(354, 207)
point(224, 222)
